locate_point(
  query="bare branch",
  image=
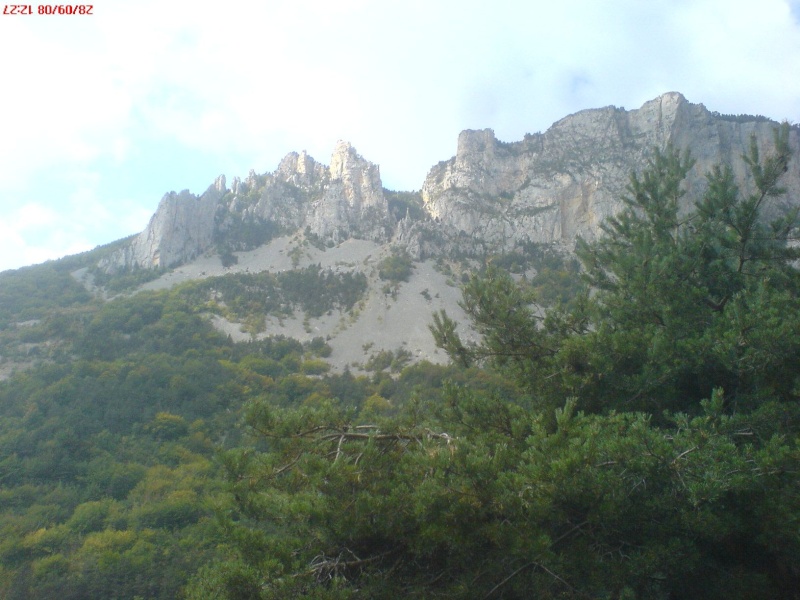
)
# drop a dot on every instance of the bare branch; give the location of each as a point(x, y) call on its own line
point(684, 453)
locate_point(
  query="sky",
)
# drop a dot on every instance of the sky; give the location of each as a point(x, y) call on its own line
point(102, 114)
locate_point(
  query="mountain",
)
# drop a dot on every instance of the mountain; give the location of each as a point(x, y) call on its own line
point(521, 204)
point(337, 202)
point(491, 196)
point(555, 186)
point(526, 201)
point(245, 400)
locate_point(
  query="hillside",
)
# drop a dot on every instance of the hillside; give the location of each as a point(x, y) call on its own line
point(567, 367)
point(526, 201)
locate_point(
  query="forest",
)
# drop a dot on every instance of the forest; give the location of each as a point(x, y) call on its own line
point(635, 438)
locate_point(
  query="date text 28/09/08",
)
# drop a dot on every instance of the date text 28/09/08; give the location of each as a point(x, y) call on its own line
point(48, 9)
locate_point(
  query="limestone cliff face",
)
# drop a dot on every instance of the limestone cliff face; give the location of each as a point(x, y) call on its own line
point(555, 186)
point(352, 203)
point(338, 202)
point(550, 187)
point(181, 229)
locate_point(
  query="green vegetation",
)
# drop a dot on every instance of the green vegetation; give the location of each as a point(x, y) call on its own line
point(557, 277)
point(238, 233)
point(106, 454)
point(396, 268)
point(741, 118)
point(388, 359)
point(110, 481)
point(30, 292)
point(405, 204)
point(125, 279)
point(227, 257)
point(316, 240)
point(239, 296)
point(638, 441)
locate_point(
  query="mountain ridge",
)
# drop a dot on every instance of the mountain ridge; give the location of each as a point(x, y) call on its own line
point(490, 197)
point(266, 420)
point(520, 204)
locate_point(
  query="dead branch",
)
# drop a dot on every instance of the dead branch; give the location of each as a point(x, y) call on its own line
point(523, 568)
point(684, 453)
point(326, 568)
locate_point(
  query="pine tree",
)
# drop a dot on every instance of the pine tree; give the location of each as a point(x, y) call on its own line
point(643, 443)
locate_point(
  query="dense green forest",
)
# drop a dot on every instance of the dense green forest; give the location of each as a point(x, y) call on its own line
point(638, 439)
point(111, 485)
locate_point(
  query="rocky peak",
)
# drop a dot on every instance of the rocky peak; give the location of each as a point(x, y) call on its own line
point(475, 148)
point(300, 169)
point(660, 112)
point(352, 203)
point(181, 229)
point(360, 179)
point(252, 180)
point(549, 187)
point(555, 186)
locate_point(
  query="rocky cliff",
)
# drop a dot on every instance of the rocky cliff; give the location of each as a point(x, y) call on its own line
point(555, 186)
point(352, 203)
point(337, 202)
point(181, 228)
point(491, 196)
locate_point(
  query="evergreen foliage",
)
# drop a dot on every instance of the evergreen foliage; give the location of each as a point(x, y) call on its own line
point(638, 441)
point(238, 233)
point(108, 477)
point(396, 267)
point(125, 279)
point(243, 295)
point(641, 442)
point(405, 204)
point(30, 292)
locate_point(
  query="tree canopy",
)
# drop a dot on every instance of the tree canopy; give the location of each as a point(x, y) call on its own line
point(638, 442)
point(633, 436)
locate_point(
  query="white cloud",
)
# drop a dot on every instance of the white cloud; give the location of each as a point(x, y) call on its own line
point(32, 235)
point(32, 232)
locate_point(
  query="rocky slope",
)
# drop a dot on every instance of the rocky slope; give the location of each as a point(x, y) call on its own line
point(381, 321)
point(491, 197)
point(547, 188)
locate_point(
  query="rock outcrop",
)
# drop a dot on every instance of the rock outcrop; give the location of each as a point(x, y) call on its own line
point(491, 196)
point(181, 229)
point(342, 201)
point(555, 186)
point(352, 203)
